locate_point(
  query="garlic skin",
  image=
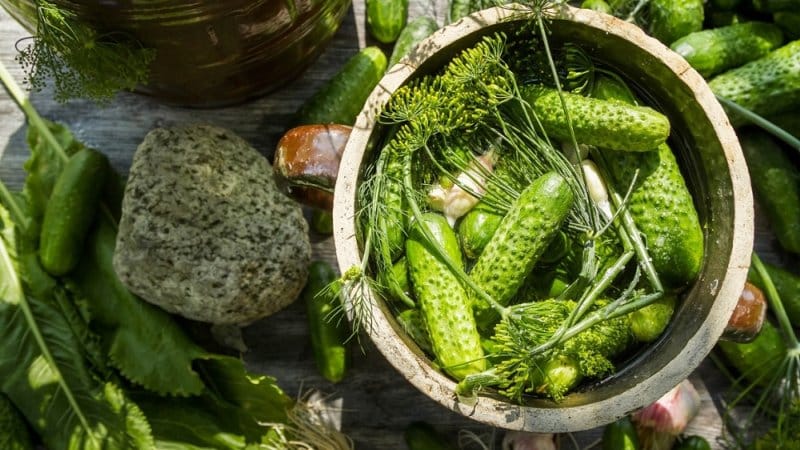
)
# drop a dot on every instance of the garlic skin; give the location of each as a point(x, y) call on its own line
point(521, 440)
point(660, 423)
point(455, 201)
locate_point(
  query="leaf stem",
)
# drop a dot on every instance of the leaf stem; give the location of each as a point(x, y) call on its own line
point(13, 206)
point(765, 124)
point(776, 303)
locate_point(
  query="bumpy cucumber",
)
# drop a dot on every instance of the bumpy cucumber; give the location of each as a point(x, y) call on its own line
point(386, 18)
point(649, 322)
point(422, 436)
point(524, 234)
point(415, 31)
point(673, 19)
point(620, 435)
point(71, 210)
point(775, 183)
point(412, 322)
point(597, 5)
point(756, 361)
point(328, 335)
point(442, 299)
point(715, 50)
point(662, 208)
point(611, 125)
point(476, 229)
point(768, 85)
point(342, 97)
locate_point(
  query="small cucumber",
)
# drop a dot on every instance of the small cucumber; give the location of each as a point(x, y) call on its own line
point(414, 32)
point(462, 8)
point(768, 85)
point(713, 51)
point(775, 182)
point(386, 19)
point(476, 229)
point(605, 124)
point(673, 19)
point(789, 22)
point(322, 222)
point(620, 435)
point(523, 235)
point(692, 443)
point(649, 322)
point(442, 299)
point(756, 361)
point(71, 210)
point(396, 282)
point(412, 322)
point(328, 335)
point(662, 208)
point(422, 436)
point(597, 5)
point(341, 98)
point(788, 286)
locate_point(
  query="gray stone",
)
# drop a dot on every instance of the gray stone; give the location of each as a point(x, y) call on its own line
point(205, 232)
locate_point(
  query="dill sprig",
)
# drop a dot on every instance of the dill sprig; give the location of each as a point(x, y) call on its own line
point(81, 61)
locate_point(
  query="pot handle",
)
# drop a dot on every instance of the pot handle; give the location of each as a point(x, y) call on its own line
point(307, 161)
point(748, 316)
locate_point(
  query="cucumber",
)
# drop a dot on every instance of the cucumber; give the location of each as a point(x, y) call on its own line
point(414, 325)
point(756, 361)
point(776, 5)
point(649, 322)
point(620, 435)
point(322, 222)
point(341, 98)
point(422, 436)
point(462, 8)
point(442, 299)
point(716, 50)
point(611, 125)
point(414, 32)
point(328, 334)
point(386, 19)
point(692, 443)
point(396, 282)
point(523, 235)
point(768, 85)
point(724, 5)
point(673, 19)
point(71, 210)
point(597, 5)
point(788, 286)
point(789, 22)
point(775, 182)
point(789, 121)
point(476, 229)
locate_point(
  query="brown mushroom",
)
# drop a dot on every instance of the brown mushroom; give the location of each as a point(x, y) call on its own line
point(307, 162)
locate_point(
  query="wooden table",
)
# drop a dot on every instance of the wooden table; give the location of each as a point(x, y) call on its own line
point(376, 402)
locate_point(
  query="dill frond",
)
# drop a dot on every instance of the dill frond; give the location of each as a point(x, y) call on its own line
point(81, 61)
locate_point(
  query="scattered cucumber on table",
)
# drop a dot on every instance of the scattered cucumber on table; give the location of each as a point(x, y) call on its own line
point(672, 19)
point(71, 210)
point(328, 335)
point(522, 237)
point(442, 299)
point(757, 361)
point(715, 50)
point(768, 85)
point(413, 33)
point(661, 205)
point(620, 435)
point(611, 125)
point(341, 98)
point(422, 436)
point(386, 19)
point(788, 286)
point(776, 185)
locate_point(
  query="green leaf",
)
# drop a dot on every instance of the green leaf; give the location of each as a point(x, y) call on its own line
point(43, 365)
point(13, 429)
point(142, 340)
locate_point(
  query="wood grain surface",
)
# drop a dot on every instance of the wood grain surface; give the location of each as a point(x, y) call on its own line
point(376, 404)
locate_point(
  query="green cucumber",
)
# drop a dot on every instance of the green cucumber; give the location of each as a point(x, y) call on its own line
point(788, 286)
point(788, 121)
point(662, 209)
point(597, 5)
point(612, 125)
point(413, 33)
point(462, 8)
point(692, 443)
point(768, 85)
point(775, 182)
point(442, 299)
point(386, 19)
point(673, 19)
point(476, 229)
point(757, 361)
point(414, 325)
point(713, 51)
point(322, 222)
point(341, 98)
point(328, 334)
point(422, 436)
point(776, 5)
point(620, 435)
point(724, 5)
point(522, 237)
point(71, 209)
point(647, 323)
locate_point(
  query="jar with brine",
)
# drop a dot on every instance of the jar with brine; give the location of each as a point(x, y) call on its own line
point(210, 52)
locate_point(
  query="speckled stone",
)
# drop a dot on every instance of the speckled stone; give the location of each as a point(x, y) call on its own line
point(205, 233)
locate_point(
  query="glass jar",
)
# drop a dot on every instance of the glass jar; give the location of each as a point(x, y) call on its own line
point(211, 52)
